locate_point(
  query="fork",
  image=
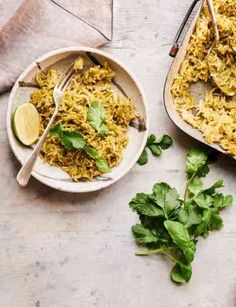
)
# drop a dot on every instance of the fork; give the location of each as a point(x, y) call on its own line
point(24, 174)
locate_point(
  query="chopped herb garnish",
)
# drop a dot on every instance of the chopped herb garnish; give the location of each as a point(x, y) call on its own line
point(72, 140)
point(96, 117)
point(57, 130)
point(102, 165)
point(101, 162)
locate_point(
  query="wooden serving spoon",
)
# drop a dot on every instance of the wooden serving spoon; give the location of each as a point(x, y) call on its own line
point(213, 19)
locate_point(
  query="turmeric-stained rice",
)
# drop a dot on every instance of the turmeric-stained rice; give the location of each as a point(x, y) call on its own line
point(215, 114)
point(88, 85)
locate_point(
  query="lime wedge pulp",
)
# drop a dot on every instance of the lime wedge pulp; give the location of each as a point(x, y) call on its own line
point(26, 123)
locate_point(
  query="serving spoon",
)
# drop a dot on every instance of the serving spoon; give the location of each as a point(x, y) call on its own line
point(224, 86)
point(24, 174)
point(176, 45)
point(213, 19)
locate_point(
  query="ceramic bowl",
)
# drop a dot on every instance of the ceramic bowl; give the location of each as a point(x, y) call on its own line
point(125, 83)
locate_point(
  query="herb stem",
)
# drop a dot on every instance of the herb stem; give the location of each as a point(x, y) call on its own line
point(150, 252)
point(155, 252)
point(187, 185)
point(170, 257)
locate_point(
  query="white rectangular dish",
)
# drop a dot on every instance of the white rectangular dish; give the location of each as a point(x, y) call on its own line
point(198, 89)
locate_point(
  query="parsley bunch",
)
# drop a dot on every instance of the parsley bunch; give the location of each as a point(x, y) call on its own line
point(170, 225)
point(155, 146)
point(75, 140)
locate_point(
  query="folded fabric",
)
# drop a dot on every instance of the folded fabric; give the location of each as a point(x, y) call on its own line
point(32, 27)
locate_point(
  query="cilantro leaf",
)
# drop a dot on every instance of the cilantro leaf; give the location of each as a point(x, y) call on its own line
point(103, 130)
point(211, 221)
point(57, 130)
point(76, 139)
point(102, 165)
point(91, 152)
point(228, 201)
point(67, 143)
point(181, 238)
point(202, 228)
point(143, 159)
point(101, 162)
point(181, 272)
point(142, 204)
point(151, 139)
point(196, 163)
point(190, 216)
point(203, 200)
point(211, 190)
point(220, 201)
point(203, 171)
point(216, 222)
point(155, 150)
point(69, 139)
point(143, 235)
point(96, 115)
point(165, 197)
point(155, 146)
point(165, 142)
point(159, 191)
point(195, 185)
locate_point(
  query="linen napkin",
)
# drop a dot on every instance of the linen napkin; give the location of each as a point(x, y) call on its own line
point(29, 28)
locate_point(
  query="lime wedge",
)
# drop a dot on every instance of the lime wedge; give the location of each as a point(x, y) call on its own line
point(26, 123)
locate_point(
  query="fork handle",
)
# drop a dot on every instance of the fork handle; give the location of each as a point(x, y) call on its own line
point(24, 174)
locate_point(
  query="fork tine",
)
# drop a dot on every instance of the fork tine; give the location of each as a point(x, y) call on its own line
point(65, 79)
point(68, 80)
point(65, 74)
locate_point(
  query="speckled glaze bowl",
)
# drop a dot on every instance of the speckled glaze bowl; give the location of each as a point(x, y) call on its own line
point(124, 82)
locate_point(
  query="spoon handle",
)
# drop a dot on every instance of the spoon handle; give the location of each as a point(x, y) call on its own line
point(213, 19)
point(175, 47)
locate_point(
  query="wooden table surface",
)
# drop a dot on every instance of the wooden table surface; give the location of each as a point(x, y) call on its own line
point(68, 250)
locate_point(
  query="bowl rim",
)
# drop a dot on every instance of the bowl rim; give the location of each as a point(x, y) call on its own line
point(52, 182)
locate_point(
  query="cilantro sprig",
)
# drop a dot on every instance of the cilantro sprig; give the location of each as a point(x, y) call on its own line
point(96, 117)
point(69, 139)
point(155, 146)
point(72, 140)
point(170, 225)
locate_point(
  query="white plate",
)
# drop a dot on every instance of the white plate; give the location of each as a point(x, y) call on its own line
point(55, 177)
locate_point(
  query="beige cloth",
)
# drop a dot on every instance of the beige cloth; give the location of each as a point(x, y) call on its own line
point(29, 28)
